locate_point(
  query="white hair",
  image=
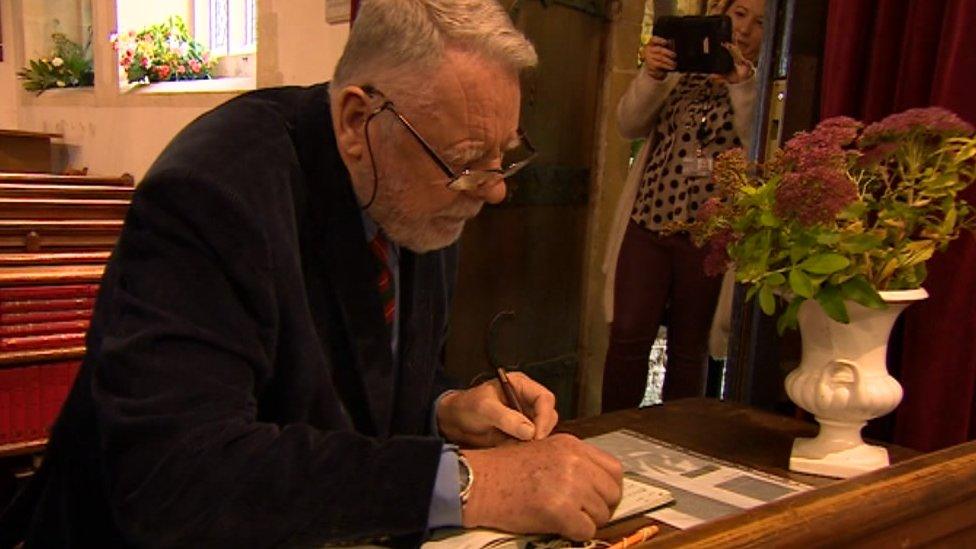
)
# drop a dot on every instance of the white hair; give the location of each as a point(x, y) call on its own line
point(401, 38)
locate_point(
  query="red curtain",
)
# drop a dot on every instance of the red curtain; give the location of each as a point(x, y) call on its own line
point(884, 56)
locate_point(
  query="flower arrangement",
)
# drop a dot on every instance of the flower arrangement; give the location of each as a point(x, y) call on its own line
point(68, 66)
point(841, 212)
point(162, 52)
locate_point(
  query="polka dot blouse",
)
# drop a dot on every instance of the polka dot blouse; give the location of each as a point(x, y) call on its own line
point(697, 115)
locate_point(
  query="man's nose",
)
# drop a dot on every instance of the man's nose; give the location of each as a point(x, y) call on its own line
point(492, 192)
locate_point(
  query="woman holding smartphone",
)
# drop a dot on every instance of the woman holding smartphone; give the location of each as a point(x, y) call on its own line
point(688, 119)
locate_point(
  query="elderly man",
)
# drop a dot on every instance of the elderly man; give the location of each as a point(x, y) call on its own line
point(263, 363)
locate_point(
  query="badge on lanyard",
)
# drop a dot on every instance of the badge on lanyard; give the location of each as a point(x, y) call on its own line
point(699, 164)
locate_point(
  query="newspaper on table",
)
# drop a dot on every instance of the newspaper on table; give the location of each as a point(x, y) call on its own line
point(704, 488)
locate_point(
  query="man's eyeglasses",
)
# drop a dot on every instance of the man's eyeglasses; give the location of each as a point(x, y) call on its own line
point(467, 180)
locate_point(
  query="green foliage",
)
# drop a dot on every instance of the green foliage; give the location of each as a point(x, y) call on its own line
point(68, 66)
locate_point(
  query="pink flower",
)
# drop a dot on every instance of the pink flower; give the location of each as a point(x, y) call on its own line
point(181, 70)
point(876, 154)
point(933, 119)
point(162, 71)
point(824, 146)
point(708, 209)
point(145, 62)
point(194, 65)
point(730, 167)
point(814, 196)
point(841, 130)
point(716, 259)
point(807, 150)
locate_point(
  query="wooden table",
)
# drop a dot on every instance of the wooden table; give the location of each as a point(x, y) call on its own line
point(23, 151)
point(921, 500)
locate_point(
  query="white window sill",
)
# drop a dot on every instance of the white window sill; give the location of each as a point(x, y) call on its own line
point(79, 96)
point(216, 85)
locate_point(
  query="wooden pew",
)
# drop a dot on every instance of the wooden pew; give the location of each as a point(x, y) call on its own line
point(65, 192)
point(56, 235)
point(61, 213)
point(125, 180)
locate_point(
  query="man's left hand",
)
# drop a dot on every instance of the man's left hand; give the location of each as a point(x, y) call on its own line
point(479, 417)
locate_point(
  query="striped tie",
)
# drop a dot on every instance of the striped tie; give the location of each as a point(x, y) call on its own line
point(380, 247)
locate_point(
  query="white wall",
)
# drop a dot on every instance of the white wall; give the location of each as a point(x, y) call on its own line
point(107, 140)
point(111, 133)
point(135, 15)
point(306, 48)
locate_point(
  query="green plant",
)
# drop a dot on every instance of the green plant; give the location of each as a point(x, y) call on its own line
point(68, 66)
point(162, 52)
point(842, 212)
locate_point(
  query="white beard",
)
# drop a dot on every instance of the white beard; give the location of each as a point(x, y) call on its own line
point(420, 234)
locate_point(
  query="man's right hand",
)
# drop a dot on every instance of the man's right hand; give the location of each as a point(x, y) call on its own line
point(557, 485)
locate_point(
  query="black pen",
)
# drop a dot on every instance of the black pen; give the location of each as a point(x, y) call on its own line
point(513, 401)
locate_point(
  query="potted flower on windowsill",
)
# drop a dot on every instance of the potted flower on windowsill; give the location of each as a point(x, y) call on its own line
point(161, 53)
point(833, 233)
point(68, 66)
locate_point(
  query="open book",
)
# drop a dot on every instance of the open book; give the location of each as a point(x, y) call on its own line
point(638, 497)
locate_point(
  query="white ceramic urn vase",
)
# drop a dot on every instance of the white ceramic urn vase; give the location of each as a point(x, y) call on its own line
point(843, 381)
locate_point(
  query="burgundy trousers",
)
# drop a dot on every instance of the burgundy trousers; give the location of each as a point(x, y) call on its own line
point(654, 272)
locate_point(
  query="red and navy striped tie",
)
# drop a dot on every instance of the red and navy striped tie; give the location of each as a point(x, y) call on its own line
point(380, 247)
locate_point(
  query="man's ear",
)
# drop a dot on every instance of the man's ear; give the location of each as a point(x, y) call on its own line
point(350, 110)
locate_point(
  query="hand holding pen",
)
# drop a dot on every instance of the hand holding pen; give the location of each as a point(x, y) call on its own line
point(496, 412)
point(547, 484)
point(512, 407)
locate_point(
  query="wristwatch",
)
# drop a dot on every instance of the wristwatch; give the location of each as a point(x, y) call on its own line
point(465, 478)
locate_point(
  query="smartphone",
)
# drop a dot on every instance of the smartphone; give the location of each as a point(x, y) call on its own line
point(697, 40)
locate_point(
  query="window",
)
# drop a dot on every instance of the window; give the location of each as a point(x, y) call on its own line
point(228, 27)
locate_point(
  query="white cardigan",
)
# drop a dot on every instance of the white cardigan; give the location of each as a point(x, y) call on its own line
point(637, 115)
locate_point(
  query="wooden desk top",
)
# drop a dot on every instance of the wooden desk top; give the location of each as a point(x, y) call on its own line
point(726, 430)
point(920, 500)
point(25, 133)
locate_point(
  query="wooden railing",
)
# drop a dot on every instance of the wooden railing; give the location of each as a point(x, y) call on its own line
point(926, 501)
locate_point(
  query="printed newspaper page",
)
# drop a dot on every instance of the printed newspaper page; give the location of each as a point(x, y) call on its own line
point(704, 488)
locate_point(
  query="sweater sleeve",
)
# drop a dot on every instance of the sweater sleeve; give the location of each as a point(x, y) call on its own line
point(743, 98)
point(641, 103)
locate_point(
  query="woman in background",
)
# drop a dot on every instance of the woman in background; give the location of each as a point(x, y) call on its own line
point(688, 120)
